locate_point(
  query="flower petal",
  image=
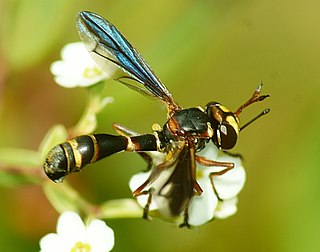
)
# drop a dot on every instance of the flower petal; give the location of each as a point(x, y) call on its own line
point(136, 181)
point(73, 235)
point(210, 151)
point(77, 68)
point(74, 52)
point(51, 243)
point(99, 236)
point(226, 208)
point(205, 207)
point(231, 183)
point(201, 209)
point(70, 226)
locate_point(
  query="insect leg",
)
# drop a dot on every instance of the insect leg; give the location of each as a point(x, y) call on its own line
point(147, 206)
point(197, 188)
point(207, 162)
point(185, 222)
point(256, 97)
point(124, 131)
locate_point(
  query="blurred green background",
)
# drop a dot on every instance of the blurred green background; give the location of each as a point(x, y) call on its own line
point(202, 50)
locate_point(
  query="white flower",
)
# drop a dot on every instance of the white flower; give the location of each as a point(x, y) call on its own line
point(73, 236)
point(207, 206)
point(77, 68)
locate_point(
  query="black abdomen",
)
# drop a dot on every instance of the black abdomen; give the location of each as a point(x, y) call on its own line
point(74, 154)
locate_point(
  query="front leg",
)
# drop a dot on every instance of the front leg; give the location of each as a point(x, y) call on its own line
point(185, 222)
point(124, 131)
point(207, 162)
point(146, 208)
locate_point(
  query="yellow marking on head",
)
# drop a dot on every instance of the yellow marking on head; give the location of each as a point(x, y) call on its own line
point(224, 109)
point(234, 122)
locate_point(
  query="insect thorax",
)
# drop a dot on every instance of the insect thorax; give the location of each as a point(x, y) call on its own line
point(190, 123)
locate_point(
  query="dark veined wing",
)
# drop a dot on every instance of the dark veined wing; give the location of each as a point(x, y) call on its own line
point(105, 42)
point(179, 188)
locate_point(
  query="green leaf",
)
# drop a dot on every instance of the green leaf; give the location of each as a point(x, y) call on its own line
point(12, 180)
point(19, 166)
point(120, 208)
point(64, 198)
point(19, 157)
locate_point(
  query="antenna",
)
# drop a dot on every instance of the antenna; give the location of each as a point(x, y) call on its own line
point(264, 112)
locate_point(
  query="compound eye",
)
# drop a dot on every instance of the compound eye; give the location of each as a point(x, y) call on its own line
point(228, 136)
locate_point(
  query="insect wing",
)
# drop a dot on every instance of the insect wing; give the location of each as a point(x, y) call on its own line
point(105, 42)
point(179, 188)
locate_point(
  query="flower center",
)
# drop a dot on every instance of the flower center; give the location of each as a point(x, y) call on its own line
point(199, 174)
point(81, 247)
point(90, 72)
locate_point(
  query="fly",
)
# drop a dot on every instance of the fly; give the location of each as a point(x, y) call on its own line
point(185, 133)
